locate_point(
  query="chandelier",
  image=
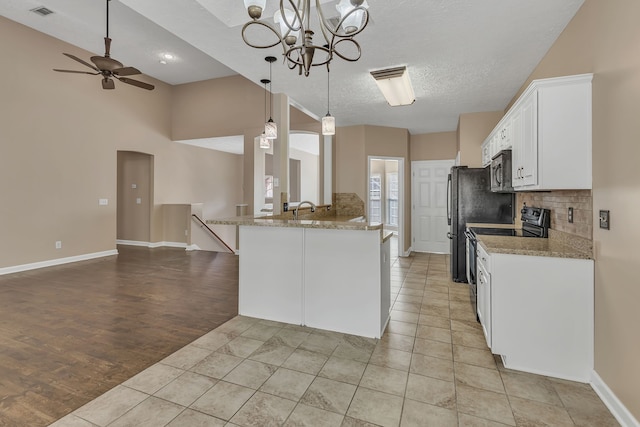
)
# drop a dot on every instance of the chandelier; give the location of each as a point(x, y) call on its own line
point(296, 36)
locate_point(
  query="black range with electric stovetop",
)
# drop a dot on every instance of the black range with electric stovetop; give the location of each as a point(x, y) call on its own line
point(535, 223)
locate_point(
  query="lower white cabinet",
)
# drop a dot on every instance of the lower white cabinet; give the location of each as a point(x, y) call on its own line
point(484, 301)
point(538, 314)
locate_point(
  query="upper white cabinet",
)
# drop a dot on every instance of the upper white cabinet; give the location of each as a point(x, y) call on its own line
point(549, 130)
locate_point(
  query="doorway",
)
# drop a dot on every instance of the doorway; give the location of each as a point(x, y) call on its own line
point(135, 198)
point(429, 206)
point(385, 195)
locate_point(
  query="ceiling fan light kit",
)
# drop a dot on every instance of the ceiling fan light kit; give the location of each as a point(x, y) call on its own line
point(108, 67)
point(296, 37)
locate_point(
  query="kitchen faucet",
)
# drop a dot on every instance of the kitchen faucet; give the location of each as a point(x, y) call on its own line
point(295, 211)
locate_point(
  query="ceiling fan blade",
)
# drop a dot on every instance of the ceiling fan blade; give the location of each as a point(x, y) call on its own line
point(108, 83)
point(136, 83)
point(126, 71)
point(75, 58)
point(77, 72)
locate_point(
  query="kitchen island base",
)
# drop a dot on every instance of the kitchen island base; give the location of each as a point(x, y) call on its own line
point(332, 279)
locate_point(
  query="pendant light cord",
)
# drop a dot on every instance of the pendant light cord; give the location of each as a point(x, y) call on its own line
point(270, 93)
point(327, 89)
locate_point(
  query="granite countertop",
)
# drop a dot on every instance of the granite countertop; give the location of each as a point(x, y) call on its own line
point(329, 223)
point(548, 247)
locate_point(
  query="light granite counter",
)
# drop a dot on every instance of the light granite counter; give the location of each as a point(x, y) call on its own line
point(329, 223)
point(549, 247)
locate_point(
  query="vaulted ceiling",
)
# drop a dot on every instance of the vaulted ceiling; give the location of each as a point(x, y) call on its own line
point(462, 56)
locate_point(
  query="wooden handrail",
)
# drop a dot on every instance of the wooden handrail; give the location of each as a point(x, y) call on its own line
point(213, 233)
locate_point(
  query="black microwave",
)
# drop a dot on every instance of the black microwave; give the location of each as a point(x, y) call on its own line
point(501, 172)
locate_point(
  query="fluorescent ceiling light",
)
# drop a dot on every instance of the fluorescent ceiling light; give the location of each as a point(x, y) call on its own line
point(395, 85)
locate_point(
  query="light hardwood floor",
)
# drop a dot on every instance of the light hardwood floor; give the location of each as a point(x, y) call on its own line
point(69, 333)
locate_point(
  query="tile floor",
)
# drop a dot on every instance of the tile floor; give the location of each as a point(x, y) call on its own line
point(431, 368)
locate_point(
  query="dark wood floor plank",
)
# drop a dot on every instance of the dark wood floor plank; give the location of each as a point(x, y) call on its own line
point(69, 333)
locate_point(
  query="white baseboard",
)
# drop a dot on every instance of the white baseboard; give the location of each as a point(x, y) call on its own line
point(152, 245)
point(58, 261)
point(408, 252)
point(617, 408)
point(193, 248)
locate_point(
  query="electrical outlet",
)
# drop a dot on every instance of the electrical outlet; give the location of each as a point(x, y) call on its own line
point(604, 220)
point(285, 207)
point(103, 202)
point(58, 244)
point(570, 215)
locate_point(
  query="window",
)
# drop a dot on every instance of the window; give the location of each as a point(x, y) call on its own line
point(268, 187)
point(375, 198)
point(392, 199)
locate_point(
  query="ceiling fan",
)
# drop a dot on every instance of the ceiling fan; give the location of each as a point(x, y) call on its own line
point(108, 67)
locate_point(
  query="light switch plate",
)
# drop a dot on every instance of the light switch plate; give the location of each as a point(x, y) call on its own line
point(103, 202)
point(604, 220)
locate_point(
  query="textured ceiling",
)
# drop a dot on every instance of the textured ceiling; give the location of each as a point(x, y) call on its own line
point(463, 56)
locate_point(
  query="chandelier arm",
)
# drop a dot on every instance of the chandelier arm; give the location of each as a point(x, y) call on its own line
point(299, 61)
point(273, 30)
point(299, 17)
point(346, 58)
point(323, 23)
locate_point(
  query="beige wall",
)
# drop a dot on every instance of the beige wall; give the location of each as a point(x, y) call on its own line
point(354, 145)
point(473, 129)
point(60, 134)
point(202, 109)
point(434, 146)
point(603, 38)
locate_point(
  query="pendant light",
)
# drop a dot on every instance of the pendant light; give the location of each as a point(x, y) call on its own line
point(270, 127)
point(264, 142)
point(328, 121)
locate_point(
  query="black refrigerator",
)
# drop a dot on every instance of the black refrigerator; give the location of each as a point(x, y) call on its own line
point(470, 200)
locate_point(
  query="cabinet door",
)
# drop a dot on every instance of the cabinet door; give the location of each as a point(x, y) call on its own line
point(484, 301)
point(486, 156)
point(528, 147)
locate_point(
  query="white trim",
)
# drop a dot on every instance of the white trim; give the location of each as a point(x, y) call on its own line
point(408, 252)
point(152, 245)
point(401, 201)
point(58, 261)
point(133, 243)
point(169, 245)
point(617, 408)
point(193, 248)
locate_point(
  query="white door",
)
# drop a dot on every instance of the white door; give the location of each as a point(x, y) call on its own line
point(429, 205)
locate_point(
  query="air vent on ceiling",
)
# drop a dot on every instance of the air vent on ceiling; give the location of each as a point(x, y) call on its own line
point(42, 11)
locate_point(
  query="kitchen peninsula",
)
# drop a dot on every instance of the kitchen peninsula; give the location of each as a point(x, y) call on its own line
point(329, 273)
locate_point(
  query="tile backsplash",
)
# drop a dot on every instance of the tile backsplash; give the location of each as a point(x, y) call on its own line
point(559, 202)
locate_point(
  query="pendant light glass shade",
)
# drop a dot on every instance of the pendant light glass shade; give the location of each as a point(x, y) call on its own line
point(286, 23)
point(355, 20)
point(264, 142)
point(328, 125)
point(271, 129)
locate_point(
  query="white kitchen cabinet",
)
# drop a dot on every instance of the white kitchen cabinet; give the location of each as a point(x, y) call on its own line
point(484, 294)
point(525, 149)
point(552, 147)
point(540, 314)
point(486, 152)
